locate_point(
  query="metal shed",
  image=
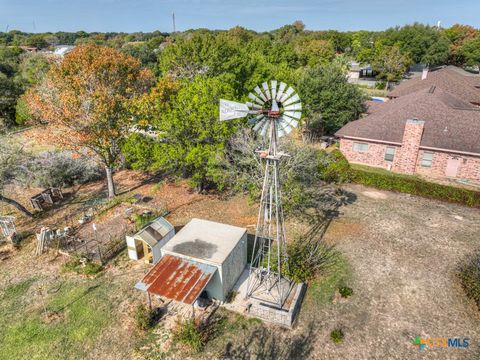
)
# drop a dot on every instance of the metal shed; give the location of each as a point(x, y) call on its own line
point(203, 256)
point(146, 243)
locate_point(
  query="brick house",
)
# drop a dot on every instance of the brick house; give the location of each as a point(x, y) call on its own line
point(428, 132)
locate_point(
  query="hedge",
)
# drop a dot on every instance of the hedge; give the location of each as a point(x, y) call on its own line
point(415, 186)
point(469, 275)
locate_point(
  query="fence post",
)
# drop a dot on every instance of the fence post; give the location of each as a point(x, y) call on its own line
point(100, 254)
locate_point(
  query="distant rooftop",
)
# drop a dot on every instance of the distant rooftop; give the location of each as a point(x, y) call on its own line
point(205, 240)
point(451, 79)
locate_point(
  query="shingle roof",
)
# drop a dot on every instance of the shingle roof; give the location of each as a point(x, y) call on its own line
point(451, 79)
point(373, 106)
point(450, 123)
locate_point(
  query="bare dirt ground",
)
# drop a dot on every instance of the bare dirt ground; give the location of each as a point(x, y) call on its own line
point(402, 253)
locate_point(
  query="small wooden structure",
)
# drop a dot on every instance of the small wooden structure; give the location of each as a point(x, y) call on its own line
point(146, 243)
point(49, 196)
point(46, 236)
point(7, 227)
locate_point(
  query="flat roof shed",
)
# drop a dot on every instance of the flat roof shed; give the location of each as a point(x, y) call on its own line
point(203, 256)
point(206, 241)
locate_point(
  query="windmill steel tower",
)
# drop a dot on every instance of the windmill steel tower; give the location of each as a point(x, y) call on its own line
point(274, 112)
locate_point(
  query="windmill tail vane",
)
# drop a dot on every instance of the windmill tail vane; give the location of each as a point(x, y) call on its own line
point(274, 111)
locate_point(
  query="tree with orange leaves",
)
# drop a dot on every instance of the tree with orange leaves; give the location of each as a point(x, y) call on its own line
point(84, 100)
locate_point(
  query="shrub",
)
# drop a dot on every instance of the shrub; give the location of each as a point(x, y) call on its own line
point(415, 186)
point(60, 169)
point(299, 171)
point(337, 336)
point(190, 334)
point(345, 291)
point(306, 259)
point(79, 266)
point(143, 219)
point(380, 85)
point(143, 317)
point(469, 275)
point(334, 167)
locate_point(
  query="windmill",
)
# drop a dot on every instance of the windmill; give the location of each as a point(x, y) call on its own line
point(274, 111)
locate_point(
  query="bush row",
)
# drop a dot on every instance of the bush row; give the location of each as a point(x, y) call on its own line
point(415, 186)
point(469, 275)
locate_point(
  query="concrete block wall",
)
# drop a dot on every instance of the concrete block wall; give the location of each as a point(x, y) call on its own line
point(281, 317)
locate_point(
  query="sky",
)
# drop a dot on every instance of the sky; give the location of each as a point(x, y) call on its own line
point(150, 15)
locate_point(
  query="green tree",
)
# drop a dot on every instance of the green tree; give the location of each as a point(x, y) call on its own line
point(422, 43)
point(438, 53)
point(191, 139)
point(33, 68)
point(329, 100)
point(470, 52)
point(37, 40)
point(315, 52)
point(10, 86)
point(390, 64)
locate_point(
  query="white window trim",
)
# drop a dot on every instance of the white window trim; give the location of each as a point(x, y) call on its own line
point(360, 151)
point(422, 164)
point(393, 155)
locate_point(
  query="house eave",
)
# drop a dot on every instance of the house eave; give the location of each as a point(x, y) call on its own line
point(449, 151)
point(370, 140)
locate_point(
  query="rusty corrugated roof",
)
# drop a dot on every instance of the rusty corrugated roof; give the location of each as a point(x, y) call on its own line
point(178, 279)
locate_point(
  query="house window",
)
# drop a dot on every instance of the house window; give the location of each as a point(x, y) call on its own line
point(360, 147)
point(389, 153)
point(427, 159)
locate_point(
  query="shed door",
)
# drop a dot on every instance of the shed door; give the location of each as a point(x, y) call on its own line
point(452, 167)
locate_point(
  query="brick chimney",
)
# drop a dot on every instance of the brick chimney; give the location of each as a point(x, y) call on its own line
point(406, 162)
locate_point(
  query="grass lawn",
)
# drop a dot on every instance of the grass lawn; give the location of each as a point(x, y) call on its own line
point(76, 314)
point(322, 289)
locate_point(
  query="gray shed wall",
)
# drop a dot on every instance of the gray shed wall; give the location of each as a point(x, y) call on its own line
point(214, 287)
point(234, 265)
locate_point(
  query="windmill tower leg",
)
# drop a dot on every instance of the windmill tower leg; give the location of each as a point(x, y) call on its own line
point(266, 280)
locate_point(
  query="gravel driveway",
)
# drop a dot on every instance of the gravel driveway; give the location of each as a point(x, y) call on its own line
point(403, 254)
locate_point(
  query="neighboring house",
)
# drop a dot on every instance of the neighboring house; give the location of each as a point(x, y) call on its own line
point(429, 132)
point(451, 79)
point(361, 74)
